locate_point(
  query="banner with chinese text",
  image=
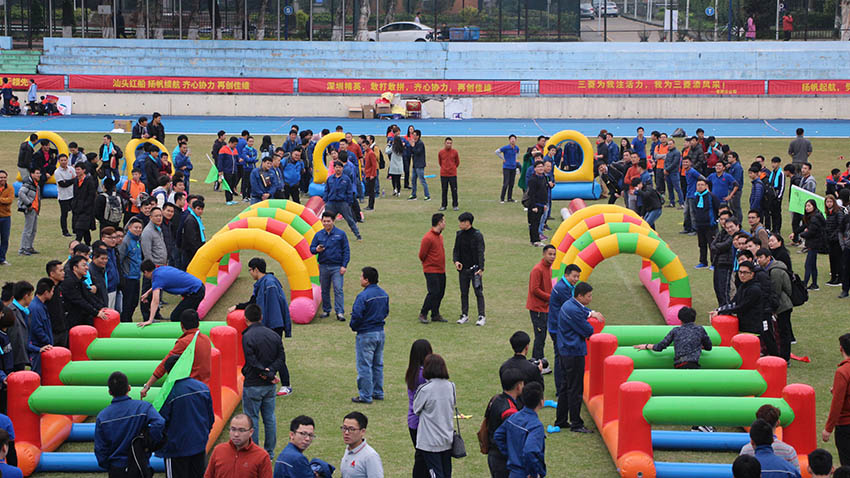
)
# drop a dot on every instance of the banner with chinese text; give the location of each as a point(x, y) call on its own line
point(652, 87)
point(182, 84)
point(408, 87)
point(44, 82)
point(808, 87)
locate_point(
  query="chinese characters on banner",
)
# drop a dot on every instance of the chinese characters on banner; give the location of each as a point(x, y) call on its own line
point(808, 87)
point(184, 84)
point(44, 82)
point(408, 87)
point(652, 87)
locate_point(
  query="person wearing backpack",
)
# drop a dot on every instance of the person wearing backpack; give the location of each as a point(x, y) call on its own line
point(780, 282)
point(108, 206)
point(498, 410)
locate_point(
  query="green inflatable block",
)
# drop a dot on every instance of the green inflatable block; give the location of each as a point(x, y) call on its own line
point(96, 372)
point(717, 357)
point(129, 349)
point(701, 382)
point(159, 330)
point(716, 411)
point(77, 400)
point(648, 334)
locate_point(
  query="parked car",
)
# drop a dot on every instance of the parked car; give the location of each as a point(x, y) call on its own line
point(587, 11)
point(402, 31)
point(612, 10)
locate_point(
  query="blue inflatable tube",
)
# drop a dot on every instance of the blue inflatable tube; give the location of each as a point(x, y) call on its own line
point(691, 470)
point(316, 189)
point(81, 432)
point(80, 462)
point(583, 190)
point(675, 440)
point(50, 190)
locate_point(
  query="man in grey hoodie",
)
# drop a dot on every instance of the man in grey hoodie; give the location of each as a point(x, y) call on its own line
point(671, 171)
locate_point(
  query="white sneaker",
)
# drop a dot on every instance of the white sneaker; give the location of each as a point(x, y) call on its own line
point(546, 371)
point(481, 320)
point(284, 391)
point(463, 319)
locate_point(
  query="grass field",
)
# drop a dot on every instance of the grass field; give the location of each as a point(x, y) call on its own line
point(321, 355)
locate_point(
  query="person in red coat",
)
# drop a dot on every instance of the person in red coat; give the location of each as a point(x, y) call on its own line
point(537, 303)
point(432, 254)
point(449, 162)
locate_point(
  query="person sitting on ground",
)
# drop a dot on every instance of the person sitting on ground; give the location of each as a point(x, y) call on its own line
point(761, 438)
point(771, 414)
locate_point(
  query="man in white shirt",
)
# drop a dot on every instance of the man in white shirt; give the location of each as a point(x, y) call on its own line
point(64, 175)
point(359, 459)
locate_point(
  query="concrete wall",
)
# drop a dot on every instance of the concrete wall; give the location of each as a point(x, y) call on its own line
point(520, 107)
point(444, 60)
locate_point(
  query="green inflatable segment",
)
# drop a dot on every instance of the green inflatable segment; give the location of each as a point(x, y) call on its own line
point(129, 349)
point(300, 225)
point(261, 212)
point(717, 411)
point(96, 372)
point(734, 383)
point(662, 256)
point(159, 330)
point(717, 357)
point(583, 241)
point(648, 334)
point(627, 242)
point(77, 400)
point(680, 288)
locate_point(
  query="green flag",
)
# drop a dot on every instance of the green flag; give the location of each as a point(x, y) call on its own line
point(224, 185)
point(181, 369)
point(213, 175)
point(799, 196)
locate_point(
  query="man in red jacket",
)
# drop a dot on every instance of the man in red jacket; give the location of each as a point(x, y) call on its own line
point(189, 323)
point(432, 254)
point(539, 290)
point(449, 162)
point(839, 411)
point(370, 173)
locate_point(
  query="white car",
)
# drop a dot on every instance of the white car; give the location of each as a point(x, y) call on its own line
point(600, 8)
point(403, 31)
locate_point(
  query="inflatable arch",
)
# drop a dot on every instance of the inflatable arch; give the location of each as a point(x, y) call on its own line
point(578, 183)
point(50, 190)
point(287, 233)
point(302, 306)
point(320, 170)
point(300, 225)
point(654, 250)
point(130, 152)
point(577, 217)
point(594, 234)
point(585, 225)
point(299, 210)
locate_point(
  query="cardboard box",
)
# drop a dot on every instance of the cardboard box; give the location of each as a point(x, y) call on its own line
point(368, 111)
point(355, 113)
point(383, 109)
point(126, 125)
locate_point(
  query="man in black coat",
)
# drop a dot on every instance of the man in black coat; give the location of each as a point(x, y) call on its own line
point(151, 168)
point(749, 306)
point(194, 235)
point(156, 129)
point(25, 155)
point(81, 304)
point(56, 306)
point(530, 372)
point(82, 205)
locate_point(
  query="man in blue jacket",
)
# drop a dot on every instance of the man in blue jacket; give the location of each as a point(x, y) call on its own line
point(691, 176)
point(116, 445)
point(562, 291)
point(291, 463)
point(573, 330)
point(247, 164)
point(292, 176)
point(368, 315)
point(269, 296)
point(262, 181)
point(757, 192)
point(338, 193)
point(227, 164)
point(189, 417)
point(331, 246)
point(521, 437)
point(772, 466)
point(704, 219)
point(40, 327)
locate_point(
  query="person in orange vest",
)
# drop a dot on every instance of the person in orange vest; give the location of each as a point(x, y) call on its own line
point(133, 188)
point(29, 202)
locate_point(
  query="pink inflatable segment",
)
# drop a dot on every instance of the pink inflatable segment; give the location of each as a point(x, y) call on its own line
point(226, 276)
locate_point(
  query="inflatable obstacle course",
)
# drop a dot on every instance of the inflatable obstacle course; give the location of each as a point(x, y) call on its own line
point(577, 183)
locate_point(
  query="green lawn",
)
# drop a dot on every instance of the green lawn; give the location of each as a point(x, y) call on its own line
point(321, 355)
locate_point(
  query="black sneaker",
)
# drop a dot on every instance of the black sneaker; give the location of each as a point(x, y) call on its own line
point(423, 319)
point(581, 429)
point(438, 318)
point(813, 287)
point(843, 295)
point(325, 315)
point(340, 317)
point(833, 283)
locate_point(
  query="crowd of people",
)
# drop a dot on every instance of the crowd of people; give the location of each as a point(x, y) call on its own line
point(150, 226)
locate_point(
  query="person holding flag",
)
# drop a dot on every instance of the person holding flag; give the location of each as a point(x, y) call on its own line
point(189, 417)
point(226, 168)
point(199, 352)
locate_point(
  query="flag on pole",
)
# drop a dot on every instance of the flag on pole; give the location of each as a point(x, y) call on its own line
point(181, 369)
point(212, 176)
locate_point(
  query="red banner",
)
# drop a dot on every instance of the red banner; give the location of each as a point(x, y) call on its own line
point(44, 82)
point(652, 87)
point(808, 87)
point(408, 87)
point(183, 84)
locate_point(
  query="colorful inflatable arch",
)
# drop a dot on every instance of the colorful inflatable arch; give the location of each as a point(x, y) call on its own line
point(302, 306)
point(559, 239)
point(305, 213)
point(578, 183)
point(320, 170)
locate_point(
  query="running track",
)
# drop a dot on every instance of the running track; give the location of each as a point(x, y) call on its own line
point(439, 127)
